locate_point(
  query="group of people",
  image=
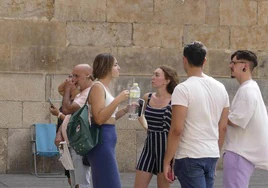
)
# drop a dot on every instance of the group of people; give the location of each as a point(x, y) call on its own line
point(187, 124)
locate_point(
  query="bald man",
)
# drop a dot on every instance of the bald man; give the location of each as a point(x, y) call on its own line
point(81, 79)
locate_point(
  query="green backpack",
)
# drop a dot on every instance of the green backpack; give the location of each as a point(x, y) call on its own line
point(82, 136)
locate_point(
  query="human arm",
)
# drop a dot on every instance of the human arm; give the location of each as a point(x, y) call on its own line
point(121, 112)
point(97, 97)
point(232, 124)
point(223, 126)
point(61, 88)
point(179, 114)
point(56, 112)
point(58, 137)
point(68, 106)
point(142, 119)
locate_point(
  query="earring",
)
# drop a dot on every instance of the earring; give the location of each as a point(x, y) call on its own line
point(244, 69)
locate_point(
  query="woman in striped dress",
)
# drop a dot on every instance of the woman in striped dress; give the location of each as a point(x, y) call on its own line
point(156, 120)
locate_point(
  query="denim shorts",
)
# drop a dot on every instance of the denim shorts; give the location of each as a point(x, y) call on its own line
point(195, 172)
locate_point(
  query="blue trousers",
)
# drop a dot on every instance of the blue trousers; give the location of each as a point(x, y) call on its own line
point(193, 173)
point(104, 169)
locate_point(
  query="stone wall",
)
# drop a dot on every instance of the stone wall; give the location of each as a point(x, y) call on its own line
point(42, 40)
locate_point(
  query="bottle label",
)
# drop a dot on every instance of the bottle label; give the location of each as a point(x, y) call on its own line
point(134, 94)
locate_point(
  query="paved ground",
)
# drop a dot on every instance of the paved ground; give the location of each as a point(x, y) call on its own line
point(259, 180)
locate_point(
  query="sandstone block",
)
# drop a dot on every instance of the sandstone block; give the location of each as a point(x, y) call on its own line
point(73, 55)
point(3, 151)
point(173, 58)
point(157, 35)
point(212, 12)
point(213, 37)
point(230, 14)
point(19, 155)
point(218, 61)
point(35, 112)
point(130, 11)
point(11, 114)
point(262, 13)
point(249, 38)
point(138, 61)
point(5, 56)
point(263, 84)
point(99, 34)
point(176, 12)
point(81, 10)
point(17, 87)
point(29, 33)
point(26, 9)
point(35, 59)
point(263, 64)
point(231, 86)
point(126, 150)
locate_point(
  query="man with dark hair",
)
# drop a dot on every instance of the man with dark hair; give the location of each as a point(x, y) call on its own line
point(199, 119)
point(246, 145)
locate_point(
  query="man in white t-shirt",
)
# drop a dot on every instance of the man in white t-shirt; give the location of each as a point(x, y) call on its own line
point(246, 144)
point(199, 119)
point(82, 79)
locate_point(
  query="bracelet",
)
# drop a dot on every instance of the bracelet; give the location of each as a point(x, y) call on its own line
point(59, 115)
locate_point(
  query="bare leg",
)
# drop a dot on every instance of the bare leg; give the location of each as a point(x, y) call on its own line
point(161, 182)
point(142, 179)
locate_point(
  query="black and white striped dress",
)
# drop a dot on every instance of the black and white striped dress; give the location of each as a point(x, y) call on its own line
point(152, 156)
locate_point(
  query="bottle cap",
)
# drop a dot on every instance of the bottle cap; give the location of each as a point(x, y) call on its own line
point(135, 84)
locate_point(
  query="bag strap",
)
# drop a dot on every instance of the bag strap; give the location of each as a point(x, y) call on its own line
point(87, 96)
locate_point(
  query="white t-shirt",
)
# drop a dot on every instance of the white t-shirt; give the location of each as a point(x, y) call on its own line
point(205, 99)
point(250, 139)
point(81, 97)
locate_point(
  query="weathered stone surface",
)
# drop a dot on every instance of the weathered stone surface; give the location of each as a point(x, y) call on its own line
point(81, 10)
point(252, 38)
point(19, 155)
point(35, 59)
point(32, 33)
point(26, 9)
point(157, 35)
point(219, 63)
point(141, 136)
point(263, 84)
point(138, 61)
point(212, 12)
point(11, 114)
point(231, 12)
point(73, 55)
point(99, 34)
point(130, 11)
point(231, 86)
point(173, 58)
point(22, 87)
point(35, 112)
point(263, 64)
point(5, 57)
point(177, 12)
point(3, 151)
point(262, 13)
point(126, 150)
point(213, 37)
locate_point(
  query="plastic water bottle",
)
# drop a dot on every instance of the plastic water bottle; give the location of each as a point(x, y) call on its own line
point(134, 95)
